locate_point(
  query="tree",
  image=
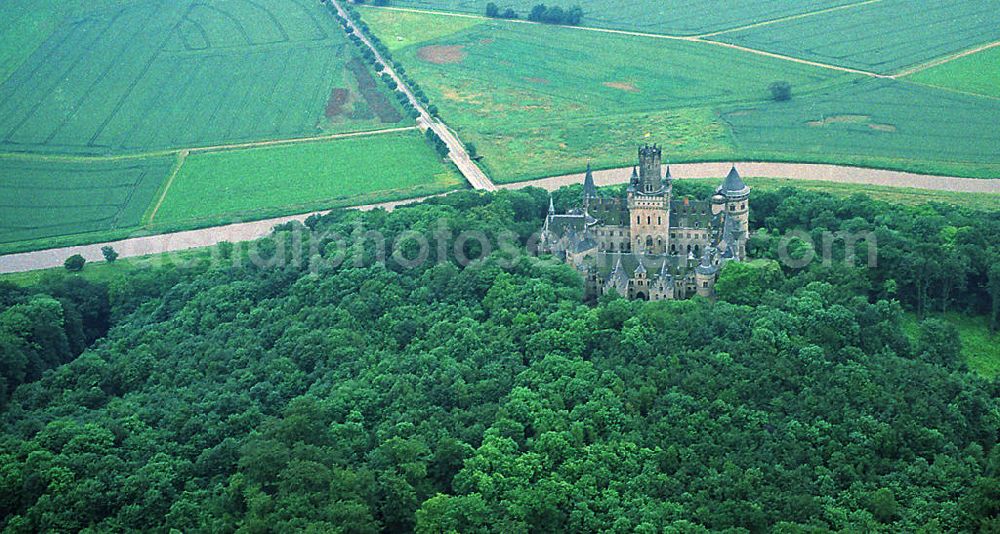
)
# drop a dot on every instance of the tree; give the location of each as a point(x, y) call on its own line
point(492, 10)
point(75, 263)
point(109, 253)
point(781, 91)
point(884, 506)
point(747, 282)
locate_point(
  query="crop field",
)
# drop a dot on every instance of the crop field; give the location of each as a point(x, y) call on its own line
point(878, 122)
point(99, 97)
point(883, 37)
point(670, 17)
point(230, 185)
point(977, 73)
point(539, 101)
point(167, 74)
point(40, 199)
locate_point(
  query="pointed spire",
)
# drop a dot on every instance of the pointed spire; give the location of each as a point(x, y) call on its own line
point(640, 269)
point(589, 189)
point(733, 184)
point(663, 269)
point(552, 207)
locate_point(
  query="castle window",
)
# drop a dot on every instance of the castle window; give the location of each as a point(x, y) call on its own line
point(659, 220)
point(638, 220)
point(649, 220)
point(704, 284)
point(673, 236)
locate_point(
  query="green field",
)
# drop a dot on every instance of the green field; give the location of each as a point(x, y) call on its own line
point(987, 202)
point(41, 199)
point(539, 101)
point(977, 73)
point(671, 17)
point(98, 99)
point(882, 37)
point(171, 74)
point(232, 185)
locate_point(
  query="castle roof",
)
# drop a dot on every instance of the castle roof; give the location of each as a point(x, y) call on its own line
point(733, 185)
point(706, 267)
point(607, 262)
point(690, 214)
point(585, 243)
point(589, 189)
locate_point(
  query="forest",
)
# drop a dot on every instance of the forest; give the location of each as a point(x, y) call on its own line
point(371, 396)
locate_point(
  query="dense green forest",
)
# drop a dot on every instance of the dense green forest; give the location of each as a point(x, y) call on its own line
point(361, 396)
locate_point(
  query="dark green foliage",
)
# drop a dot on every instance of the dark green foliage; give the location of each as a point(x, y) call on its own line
point(75, 263)
point(371, 397)
point(109, 253)
point(781, 91)
point(556, 15)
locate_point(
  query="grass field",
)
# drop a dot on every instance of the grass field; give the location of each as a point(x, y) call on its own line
point(980, 349)
point(673, 17)
point(883, 37)
point(232, 185)
point(539, 101)
point(98, 99)
point(47, 198)
point(895, 195)
point(169, 74)
point(977, 73)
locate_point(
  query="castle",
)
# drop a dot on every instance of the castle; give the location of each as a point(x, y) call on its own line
point(649, 245)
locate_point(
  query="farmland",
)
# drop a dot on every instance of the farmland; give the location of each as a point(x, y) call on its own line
point(40, 199)
point(674, 17)
point(98, 100)
point(978, 73)
point(539, 100)
point(882, 37)
point(198, 76)
point(218, 187)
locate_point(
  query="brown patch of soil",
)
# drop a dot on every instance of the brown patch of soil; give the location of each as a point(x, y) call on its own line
point(882, 127)
point(335, 105)
point(622, 86)
point(441, 54)
point(377, 101)
point(841, 119)
point(541, 81)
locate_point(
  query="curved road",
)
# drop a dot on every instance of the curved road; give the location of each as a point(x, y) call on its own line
point(142, 245)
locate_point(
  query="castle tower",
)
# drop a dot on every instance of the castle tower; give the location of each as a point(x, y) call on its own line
point(704, 276)
point(650, 169)
point(649, 204)
point(737, 197)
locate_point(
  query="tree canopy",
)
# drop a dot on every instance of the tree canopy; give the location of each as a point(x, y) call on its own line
point(367, 397)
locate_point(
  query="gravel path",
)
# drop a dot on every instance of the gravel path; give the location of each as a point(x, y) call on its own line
point(142, 245)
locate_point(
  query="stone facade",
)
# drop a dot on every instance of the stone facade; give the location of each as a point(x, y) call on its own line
point(650, 245)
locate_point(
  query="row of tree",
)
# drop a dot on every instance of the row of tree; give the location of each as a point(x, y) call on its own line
point(540, 13)
point(365, 396)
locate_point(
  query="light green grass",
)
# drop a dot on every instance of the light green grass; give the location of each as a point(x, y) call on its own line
point(540, 100)
point(401, 29)
point(106, 272)
point(883, 37)
point(980, 349)
point(896, 195)
point(977, 73)
point(288, 179)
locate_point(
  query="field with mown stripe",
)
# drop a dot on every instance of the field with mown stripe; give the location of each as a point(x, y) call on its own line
point(883, 37)
point(540, 100)
point(42, 199)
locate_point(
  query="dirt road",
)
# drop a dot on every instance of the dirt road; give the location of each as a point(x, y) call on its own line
point(142, 245)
